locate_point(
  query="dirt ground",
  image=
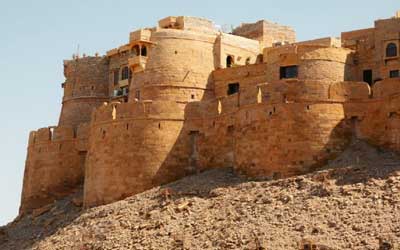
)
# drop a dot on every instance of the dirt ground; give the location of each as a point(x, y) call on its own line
point(352, 203)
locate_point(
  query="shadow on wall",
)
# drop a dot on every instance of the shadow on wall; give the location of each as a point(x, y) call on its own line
point(287, 133)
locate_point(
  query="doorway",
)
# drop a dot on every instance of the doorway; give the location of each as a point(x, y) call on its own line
point(367, 76)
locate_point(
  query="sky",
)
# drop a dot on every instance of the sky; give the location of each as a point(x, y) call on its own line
point(37, 35)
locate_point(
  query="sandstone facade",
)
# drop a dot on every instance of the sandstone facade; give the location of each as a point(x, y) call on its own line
point(184, 97)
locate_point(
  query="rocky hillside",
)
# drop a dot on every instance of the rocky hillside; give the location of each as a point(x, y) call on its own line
point(353, 203)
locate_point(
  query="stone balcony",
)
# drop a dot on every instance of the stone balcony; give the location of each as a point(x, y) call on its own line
point(123, 83)
point(137, 63)
point(139, 36)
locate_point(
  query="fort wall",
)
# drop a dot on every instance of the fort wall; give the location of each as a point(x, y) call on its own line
point(54, 165)
point(177, 68)
point(85, 88)
point(315, 62)
point(133, 147)
point(268, 33)
point(201, 99)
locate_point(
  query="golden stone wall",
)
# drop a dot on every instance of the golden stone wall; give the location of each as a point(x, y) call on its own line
point(180, 119)
point(85, 88)
point(133, 147)
point(54, 165)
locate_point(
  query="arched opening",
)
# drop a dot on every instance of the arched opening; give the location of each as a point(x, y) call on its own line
point(125, 73)
point(143, 51)
point(391, 50)
point(136, 50)
point(229, 61)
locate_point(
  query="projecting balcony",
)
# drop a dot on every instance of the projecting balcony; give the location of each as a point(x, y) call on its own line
point(137, 63)
point(123, 83)
point(139, 36)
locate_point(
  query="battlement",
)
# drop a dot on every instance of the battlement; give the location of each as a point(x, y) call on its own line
point(268, 33)
point(196, 24)
point(149, 109)
point(184, 97)
point(58, 134)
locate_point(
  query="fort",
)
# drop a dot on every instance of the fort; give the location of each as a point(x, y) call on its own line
point(184, 97)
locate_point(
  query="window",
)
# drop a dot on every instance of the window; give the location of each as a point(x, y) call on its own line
point(367, 76)
point(125, 73)
point(233, 88)
point(229, 61)
point(136, 50)
point(394, 74)
point(391, 50)
point(125, 91)
point(248, 60)
point(288, 72)
point(137, 95)
point(143, 51)
point(116, 77)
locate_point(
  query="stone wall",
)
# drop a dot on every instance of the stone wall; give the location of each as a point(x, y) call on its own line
point(86, 87)
point(370, 46)
point(133, 147)
point(178, 67)
point(266, 32)
point(315, 62)
point(185, 121)
point(54, 165)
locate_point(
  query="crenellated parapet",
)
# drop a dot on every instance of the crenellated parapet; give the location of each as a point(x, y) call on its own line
point(184, 97)
point(54, 165)
point(85, 88)
point(133, 147)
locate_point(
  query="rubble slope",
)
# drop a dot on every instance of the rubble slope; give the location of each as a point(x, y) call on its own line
point(352, 203)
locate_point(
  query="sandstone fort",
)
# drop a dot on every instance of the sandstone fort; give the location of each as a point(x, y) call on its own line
point(184, 97)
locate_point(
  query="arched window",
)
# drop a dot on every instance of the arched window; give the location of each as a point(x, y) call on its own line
point(143, 52)
point(125, 73)
point(229, 61)
point(391, 50)
point(136, 50)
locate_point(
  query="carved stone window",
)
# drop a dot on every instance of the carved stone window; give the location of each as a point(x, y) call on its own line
point(125, 73)
point(136, 50)
point(116, 77)
point(143, 51)
point(391, 50)
point(229, 61)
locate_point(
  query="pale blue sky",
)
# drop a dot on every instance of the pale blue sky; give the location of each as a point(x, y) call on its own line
point(36, 35)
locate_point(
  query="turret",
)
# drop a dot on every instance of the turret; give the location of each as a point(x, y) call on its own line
point(85, 88)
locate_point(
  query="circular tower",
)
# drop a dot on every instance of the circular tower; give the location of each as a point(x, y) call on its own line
point(143, 143)
point(85, 88)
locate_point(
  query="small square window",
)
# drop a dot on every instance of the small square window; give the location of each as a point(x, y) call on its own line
point(233, 88)
point(289, 72)
point(394, 73)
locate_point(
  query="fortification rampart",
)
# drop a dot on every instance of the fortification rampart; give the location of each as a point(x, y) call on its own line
point(54, 165)
point(283, 129)
point(179, 66)
point(200, 99)
point(133, 147)
point(314, 62)
point(85, 88)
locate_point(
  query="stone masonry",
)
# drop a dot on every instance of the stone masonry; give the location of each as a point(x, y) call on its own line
point(184, 97)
